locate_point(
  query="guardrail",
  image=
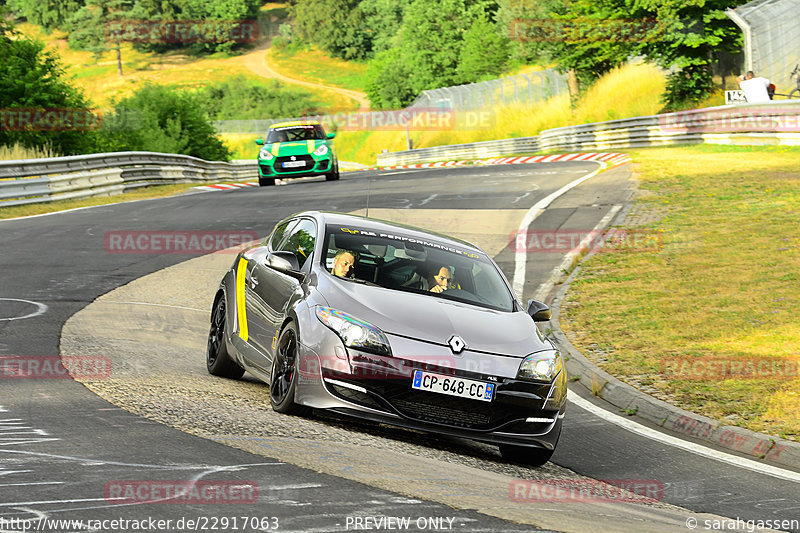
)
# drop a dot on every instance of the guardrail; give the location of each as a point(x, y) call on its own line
point(60, 178)
point(774, 123)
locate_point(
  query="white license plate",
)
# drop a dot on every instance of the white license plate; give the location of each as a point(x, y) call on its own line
point(463, 388)
point(290, 164)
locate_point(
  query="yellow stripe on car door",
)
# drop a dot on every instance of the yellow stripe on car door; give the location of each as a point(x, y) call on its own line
point(241, 313)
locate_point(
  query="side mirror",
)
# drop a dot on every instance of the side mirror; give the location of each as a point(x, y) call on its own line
point(285, 262)
point(259, 141)
point(539, 311)
point(331, 135)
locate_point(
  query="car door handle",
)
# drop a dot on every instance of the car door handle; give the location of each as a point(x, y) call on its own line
point(253, 282)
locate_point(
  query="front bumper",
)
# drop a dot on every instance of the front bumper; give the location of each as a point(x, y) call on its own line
point(378, 388)
point(314, 165)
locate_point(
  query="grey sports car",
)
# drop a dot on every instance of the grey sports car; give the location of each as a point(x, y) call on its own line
point(392, 324)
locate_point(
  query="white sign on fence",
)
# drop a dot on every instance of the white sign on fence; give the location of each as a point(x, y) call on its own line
point(735, 97)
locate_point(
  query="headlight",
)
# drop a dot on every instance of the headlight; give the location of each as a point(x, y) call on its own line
point(321, 150)
point(542, 366)
point(355, 333)
point(264, 153)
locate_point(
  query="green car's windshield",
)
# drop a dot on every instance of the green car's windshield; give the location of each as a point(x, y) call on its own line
point(295, 133)
point(425, 266)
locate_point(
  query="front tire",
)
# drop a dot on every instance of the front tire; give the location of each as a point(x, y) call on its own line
point(283, 377)
point(332, 176)
point(266, 182)
point(218, 361)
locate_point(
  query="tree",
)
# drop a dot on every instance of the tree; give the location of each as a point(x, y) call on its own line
point(431, 37)
point(37, 105)
point(485, 52)
point(335, 26)
point(591, 37)
point(243, 98)
point(47, 13)
point(388, 85)
point(92, 27)
point(425, 54)
point(162, 119)
point(686, 38)
point(382, 21)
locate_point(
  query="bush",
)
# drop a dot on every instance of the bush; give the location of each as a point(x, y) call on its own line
point(243, 98)
point(162, 119)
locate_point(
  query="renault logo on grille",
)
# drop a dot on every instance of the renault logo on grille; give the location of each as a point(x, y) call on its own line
point(456, 344)
point(293, 158)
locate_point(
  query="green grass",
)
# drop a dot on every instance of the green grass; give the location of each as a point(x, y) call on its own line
point(156, 191)
point(310, 64)
point(720, 286)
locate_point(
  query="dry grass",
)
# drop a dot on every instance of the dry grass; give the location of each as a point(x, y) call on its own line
point(630, 91)
point(99, 79)
point(720, 287)
point(17, 151)
point(242, 145)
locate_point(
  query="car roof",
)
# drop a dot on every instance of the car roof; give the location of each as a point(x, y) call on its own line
point(295, 123)
point(375, 224)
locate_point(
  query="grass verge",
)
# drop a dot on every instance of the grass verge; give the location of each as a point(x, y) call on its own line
point(314, 65)
point(156, 191)
point(630, 91)
point(704, 314)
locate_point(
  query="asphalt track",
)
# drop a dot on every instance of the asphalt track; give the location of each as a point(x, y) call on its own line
point(60, 445)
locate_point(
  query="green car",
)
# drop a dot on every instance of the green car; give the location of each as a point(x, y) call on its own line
point(296, 149)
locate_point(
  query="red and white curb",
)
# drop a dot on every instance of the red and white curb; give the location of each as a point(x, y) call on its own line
point(226, 186)
point(612, 158)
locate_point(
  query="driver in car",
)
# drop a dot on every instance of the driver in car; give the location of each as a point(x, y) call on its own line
point(441, 280)
point(343, 263)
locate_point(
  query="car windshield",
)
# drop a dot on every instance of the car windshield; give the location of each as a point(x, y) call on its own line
point(397, 261)
point(295, 133)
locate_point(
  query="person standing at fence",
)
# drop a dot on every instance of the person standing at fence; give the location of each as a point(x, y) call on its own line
point(755, 89)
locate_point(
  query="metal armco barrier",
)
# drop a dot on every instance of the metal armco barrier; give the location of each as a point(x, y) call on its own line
point(775, 123)
point(61, 178)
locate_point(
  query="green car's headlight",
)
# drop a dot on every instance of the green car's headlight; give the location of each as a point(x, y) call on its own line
point(541, 366)
point(322, 149)
point(355, 333)
point(264, 153)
